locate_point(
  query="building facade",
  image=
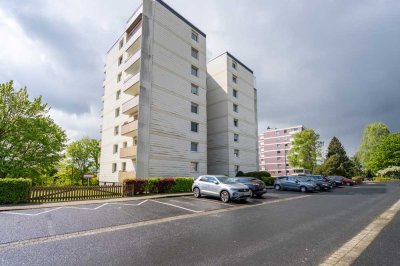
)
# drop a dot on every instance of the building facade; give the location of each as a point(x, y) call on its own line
point(274, 146)
point(231, 116)
point(154, 120)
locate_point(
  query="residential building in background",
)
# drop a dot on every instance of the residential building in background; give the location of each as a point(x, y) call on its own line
point(231, 116)
point(274, 146)
point(154, 120)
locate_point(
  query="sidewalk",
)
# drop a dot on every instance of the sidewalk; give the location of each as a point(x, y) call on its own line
point(29, 206)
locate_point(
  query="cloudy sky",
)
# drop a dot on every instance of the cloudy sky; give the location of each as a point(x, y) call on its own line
point(333, 66)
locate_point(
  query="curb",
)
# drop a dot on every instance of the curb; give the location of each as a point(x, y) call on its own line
point(32, 206)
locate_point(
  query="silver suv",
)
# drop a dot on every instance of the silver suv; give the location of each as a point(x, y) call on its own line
point(220, 186)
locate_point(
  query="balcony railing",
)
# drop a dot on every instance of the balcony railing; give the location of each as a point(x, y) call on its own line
point(128, 152)
point(132, 84)
point(130, 129)
point(131, 60)
point(125, 175)
point(131, 106)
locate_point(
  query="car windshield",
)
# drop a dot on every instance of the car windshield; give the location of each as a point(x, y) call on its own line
point(226, 180)
point(304, 178)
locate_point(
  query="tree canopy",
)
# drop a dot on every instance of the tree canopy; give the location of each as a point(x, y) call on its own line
point(387, 153)
point(373, 134)
point(30, 142)
point(305, 150)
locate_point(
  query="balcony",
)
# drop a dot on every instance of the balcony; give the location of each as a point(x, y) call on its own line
point(132, 63)
point(125, 175)
point(131, 106)
point(133, 40)
point(128, 152)
point(132, 84)
point(130, 129)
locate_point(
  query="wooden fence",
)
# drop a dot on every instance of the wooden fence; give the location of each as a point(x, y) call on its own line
point(71, 193)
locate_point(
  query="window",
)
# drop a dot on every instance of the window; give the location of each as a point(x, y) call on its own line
point(237, 168)
point(234, 79)
point(115, 148)
point(116, 130)
point(119, 77)
point(235, 93)
point(195, 53)
point(278, 145)
point(235, 122)
point(277, 133)
point(117, 112)
point(114, 167)
point(121, 43)
point(236, 153)
point(234, 64)
point(195, 71)
point(236, 137)
point(194, 146)
point(278, 152)
point(123, 166)
point(118, 95)
point(194, 127)
point(195, 89)
point(235, 108)
point(278, 158)
point(125, 144)
point(286, 145)
point(194, 166)
point(195, 108)
point(195, 36)
point(120, 60)
point(285, 131)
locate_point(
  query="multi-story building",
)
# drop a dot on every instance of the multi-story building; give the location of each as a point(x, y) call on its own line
point(154, 103)
point(231, 116)
point(274, 146)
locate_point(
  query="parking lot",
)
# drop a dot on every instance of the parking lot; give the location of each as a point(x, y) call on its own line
point(226, 232)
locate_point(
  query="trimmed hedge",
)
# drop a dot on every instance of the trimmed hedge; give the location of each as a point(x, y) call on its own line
point(155, 185)
point(257, 174)
point(269, 181)
point(358, 179)
point(14, 190)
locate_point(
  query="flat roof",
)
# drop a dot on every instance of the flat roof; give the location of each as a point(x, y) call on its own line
point(234, 58)
point(181, 17)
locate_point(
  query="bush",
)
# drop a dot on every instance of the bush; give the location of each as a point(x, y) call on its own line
point(151, 186)
point(358, 179)
point(269, 181)
point(139, 185)
point(240, 173)
point(182, 184)
point(165, 184)
point(390, 172)
point(258, 174)
point(14, 190)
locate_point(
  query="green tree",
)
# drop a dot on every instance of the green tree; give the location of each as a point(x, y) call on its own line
point(373, 134)
point(341, 160)
point(30, 142)
point(83, 157)
point(387, 153)
point(332, 166)
point(306, 148)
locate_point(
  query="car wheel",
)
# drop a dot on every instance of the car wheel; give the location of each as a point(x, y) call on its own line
point(318, 188)
point(196, 192)
point(251, 194)
point(303, 189)
point(277, 187)
point(225, 196)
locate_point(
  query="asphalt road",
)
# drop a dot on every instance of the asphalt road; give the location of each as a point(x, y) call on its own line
point(280, 229)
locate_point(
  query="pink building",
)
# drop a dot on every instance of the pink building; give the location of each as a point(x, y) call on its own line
point(274, 146)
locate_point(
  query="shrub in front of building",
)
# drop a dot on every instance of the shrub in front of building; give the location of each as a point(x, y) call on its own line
point(14, 190)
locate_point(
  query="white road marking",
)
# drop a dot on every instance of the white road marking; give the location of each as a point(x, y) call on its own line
point(351, 250)
point(41, 240)
point(33, 214)
point(211, 201)
point(72, 207)
point(176, 206)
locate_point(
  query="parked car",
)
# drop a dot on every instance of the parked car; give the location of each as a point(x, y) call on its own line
point(331, 182)
point(220, 186)
point(320, 181)
point(337, 179)
point(348, 181)
point(256, 186)
point(294, 183)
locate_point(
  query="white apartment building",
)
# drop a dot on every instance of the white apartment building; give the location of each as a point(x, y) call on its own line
point(231, 117)
point(154, 104)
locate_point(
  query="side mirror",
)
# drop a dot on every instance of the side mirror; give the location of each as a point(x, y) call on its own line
point(215, 182)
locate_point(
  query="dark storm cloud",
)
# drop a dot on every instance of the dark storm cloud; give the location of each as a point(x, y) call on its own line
point(330, 65)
